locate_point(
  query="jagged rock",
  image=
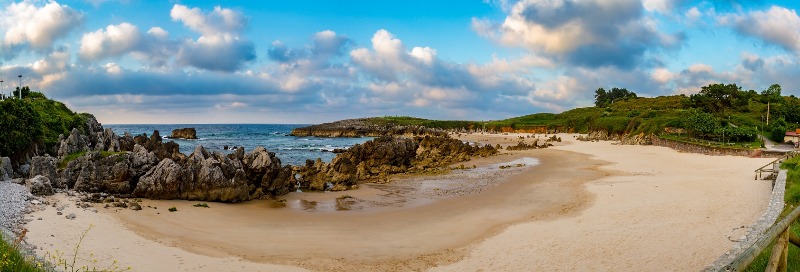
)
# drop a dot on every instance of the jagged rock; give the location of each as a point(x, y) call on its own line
point(263, 170)
point(39, 185)
point(6, 170)
point(183, 133)
point(115, 174)
point(626, 139)
point(75, 142)
point(45, 166)
point(387, 155)
point(162, 182)
point(204, 176)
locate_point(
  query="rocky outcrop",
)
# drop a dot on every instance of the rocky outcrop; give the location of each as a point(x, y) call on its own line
point(387, 155)
point(114, 173)
point(155, 144)
point(74, 142)
point(264, 171)
point(6, 171)
point(39, 186)
point(183, 133)
point(625, 139)
point(217, 177)
point(45, 166)
point(364, 127)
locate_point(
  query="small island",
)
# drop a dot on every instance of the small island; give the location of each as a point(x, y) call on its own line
point(183, 133)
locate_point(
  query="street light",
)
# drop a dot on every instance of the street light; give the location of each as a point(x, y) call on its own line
point(20, 86)
point(2, 91)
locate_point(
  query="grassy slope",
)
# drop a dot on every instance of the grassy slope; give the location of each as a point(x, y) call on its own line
point(647, 115)
point(35, 120)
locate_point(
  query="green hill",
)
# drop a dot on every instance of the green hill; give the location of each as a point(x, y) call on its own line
point(718, 112)
point(35, 122)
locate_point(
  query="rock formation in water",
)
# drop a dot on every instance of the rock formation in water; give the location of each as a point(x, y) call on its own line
point(145, 166)
point(183, 133)
point(387, 155)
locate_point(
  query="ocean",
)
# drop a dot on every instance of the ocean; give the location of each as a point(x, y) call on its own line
point(275, 138)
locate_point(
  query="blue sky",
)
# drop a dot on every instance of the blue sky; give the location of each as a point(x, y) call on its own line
point(135, 61)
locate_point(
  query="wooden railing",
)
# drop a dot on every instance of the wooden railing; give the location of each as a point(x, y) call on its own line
point(773, 167)
point(780, 251)
point(780, 232)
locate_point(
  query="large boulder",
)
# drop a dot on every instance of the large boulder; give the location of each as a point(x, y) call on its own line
point(74, 142)
point(163, 181)
point(183, 133)
point(45, 166)
point(114, 173)
point(39, 185)
point(6, 171)
point(263, 169)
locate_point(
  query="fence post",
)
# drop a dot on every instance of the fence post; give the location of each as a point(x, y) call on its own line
point(777, 261)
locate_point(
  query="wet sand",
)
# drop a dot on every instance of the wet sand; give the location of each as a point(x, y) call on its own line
point(586, 205)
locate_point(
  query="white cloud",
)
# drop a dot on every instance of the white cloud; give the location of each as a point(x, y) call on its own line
point(590, 33)
point(218, 21)
point(220, 46)
point(112, 68)
point(778, 25)
point(424, 54)
point(25, 25)
point(115, 40)
point(662, 75)
point(693, 14)
point(661, 6)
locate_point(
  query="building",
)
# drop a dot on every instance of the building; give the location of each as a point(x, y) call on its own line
point(792, 137)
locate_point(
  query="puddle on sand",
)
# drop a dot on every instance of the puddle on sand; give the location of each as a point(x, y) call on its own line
point(526, 161)
point(408, 192)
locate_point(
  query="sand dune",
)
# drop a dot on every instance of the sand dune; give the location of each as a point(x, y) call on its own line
point(587, 204)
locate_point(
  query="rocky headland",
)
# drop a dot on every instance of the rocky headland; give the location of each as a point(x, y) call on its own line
point(365, 127)
point(144, 166)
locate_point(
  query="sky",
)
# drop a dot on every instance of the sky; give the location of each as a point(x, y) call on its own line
point(304, 62)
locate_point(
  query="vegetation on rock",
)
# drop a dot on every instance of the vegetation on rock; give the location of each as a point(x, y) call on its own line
point(35, 121)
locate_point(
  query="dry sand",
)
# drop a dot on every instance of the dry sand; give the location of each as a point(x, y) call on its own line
point(587, 205)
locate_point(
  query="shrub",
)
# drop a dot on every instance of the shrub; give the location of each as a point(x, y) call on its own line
point(173, 209)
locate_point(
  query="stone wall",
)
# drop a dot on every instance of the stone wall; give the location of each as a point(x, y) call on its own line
point(714, 151)
point(770, 215)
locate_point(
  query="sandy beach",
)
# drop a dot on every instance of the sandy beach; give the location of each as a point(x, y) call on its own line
point(586, 204)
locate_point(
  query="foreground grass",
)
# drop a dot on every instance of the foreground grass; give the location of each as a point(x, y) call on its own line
point(12, 260)
point(792, 200)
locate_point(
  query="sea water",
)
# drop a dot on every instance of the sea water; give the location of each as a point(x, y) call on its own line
point(275, 138)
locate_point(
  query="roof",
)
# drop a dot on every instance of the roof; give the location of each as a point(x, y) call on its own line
point(792, 133)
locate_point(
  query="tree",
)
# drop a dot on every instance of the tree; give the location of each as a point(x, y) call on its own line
point(701, 124)
point(716, 98)
point(21, 127)
point(772, 94)
point(26, 91)
point(603, 98)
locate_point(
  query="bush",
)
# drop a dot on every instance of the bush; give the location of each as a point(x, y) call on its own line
point(21, 127)
point(172, 209)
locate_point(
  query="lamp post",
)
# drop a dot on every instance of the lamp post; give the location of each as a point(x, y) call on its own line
point(2, 91)
point(20, 86)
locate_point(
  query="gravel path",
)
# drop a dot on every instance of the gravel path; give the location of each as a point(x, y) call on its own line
point(13, 200)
